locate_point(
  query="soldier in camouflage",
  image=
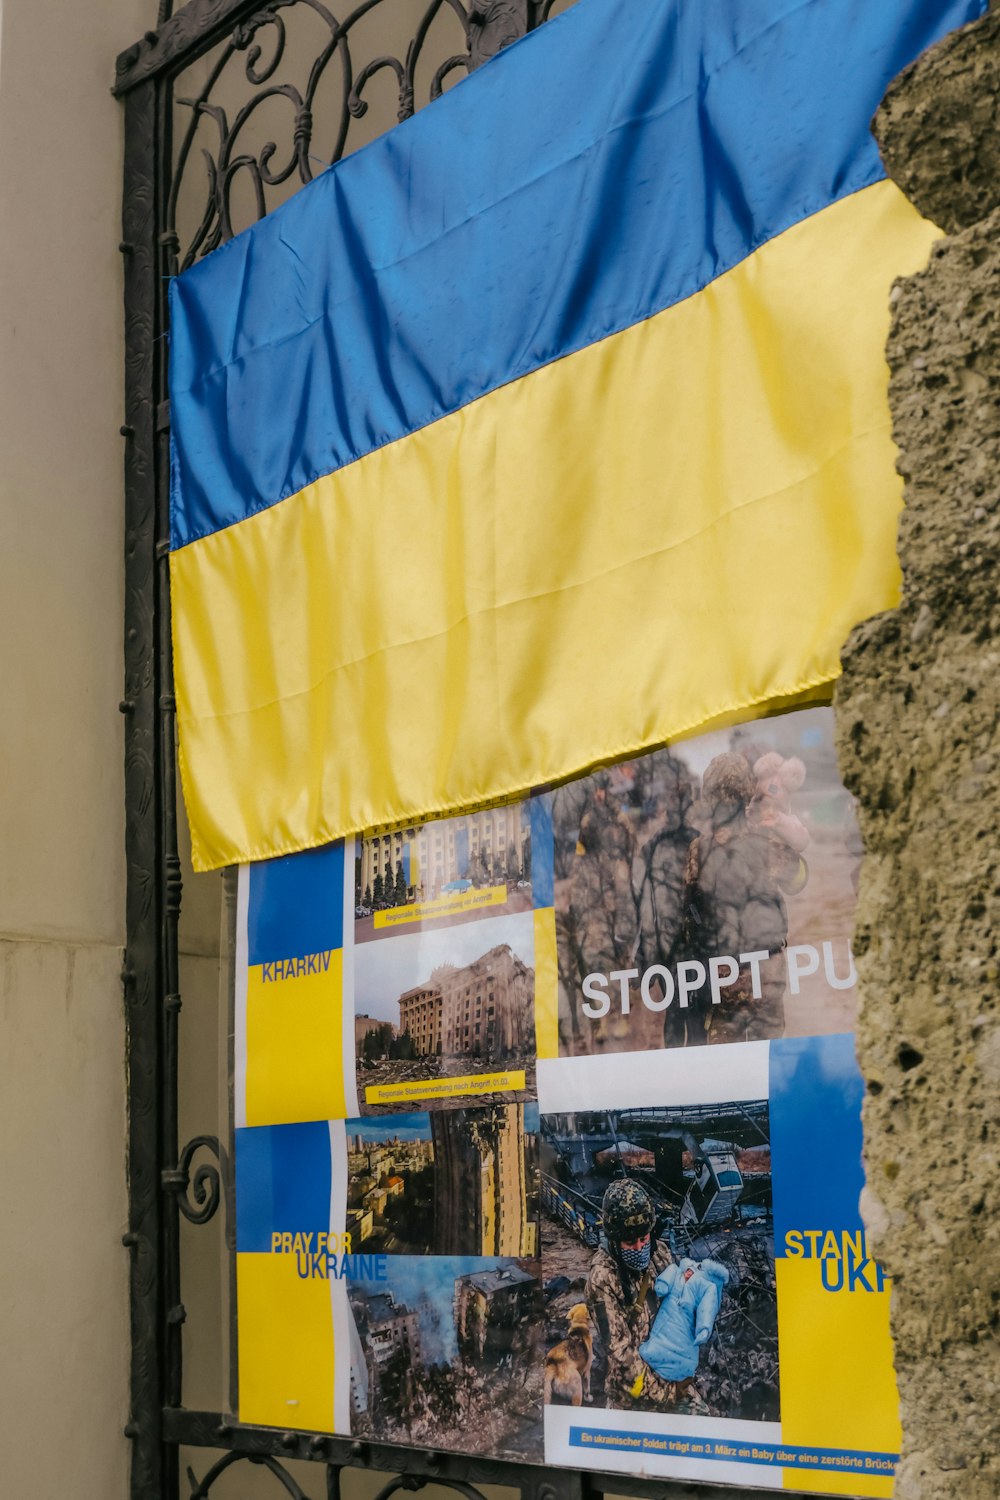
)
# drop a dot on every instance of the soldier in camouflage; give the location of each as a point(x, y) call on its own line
point(734, 889)
point(621, 1297)
point(596, 922)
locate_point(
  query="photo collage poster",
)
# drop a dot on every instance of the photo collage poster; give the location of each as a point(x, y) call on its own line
point(548, 1130)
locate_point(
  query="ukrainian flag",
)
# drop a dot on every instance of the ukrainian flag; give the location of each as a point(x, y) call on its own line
point(548, 427)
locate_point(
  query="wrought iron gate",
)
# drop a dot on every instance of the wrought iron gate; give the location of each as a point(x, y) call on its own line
point(253, 57)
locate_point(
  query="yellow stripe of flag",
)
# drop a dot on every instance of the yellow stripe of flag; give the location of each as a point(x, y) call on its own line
point(716, 483)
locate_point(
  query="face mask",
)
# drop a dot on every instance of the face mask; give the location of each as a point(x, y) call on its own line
point(637, 1260)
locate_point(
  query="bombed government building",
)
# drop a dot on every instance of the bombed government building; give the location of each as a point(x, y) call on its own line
point(483, 1009)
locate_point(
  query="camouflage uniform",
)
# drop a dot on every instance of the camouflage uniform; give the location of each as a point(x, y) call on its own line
point(662, 796)
point(733, 901)
point(596, 930)
point(601, 886)
point(660, 871)
point(624, 1320)
point(623, 1303)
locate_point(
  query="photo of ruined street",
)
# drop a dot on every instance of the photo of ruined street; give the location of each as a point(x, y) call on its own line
point(451, 1004)
point(406, 1177)
point(448, 1355)
point(705, 1172)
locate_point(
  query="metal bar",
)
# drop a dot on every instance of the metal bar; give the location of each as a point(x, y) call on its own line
point(170, 874)
point(195, 28)
point(229, 897)
point(201, 1429)
point(200, 24)
point(142, 795)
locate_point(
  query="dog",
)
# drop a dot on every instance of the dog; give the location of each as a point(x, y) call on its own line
point(568, 1364)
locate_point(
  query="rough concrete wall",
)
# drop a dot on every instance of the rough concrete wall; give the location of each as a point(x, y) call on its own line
point(917, 727)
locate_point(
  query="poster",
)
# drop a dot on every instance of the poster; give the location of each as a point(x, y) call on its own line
point(548, 1128)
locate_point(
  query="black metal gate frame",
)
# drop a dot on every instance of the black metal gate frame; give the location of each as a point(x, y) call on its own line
point(160, 1180)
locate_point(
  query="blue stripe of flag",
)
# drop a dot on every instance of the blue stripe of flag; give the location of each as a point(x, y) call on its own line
point(606, 167)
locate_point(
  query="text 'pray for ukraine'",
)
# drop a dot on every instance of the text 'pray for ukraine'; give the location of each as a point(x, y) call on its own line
point(331, 1259)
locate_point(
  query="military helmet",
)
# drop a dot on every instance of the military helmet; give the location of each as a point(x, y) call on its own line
point(627, 1211)
point(728, 780)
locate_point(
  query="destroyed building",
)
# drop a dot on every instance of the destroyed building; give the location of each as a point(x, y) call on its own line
point(483, 1009)
point(480, 1186)
point(392, 1328)
point(489, 1306)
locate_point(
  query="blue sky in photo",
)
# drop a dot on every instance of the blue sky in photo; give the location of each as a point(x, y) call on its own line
point(403, 1127)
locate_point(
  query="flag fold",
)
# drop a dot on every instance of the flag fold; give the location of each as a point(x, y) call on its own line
point(548, 427)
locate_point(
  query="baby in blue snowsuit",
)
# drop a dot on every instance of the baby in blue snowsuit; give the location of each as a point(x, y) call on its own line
point(691, 1293)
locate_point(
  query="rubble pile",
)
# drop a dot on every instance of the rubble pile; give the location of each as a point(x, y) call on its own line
point(739, 1368)
point(467, 1407)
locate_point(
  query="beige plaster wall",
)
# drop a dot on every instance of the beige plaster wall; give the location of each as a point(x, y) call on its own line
point(63, 1311)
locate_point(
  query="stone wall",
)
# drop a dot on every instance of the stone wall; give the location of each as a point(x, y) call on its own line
point(917, 729)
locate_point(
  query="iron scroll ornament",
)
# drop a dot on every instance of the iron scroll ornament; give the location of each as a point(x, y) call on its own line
point(200, 1489)
point(206, 1185)
point(259, 44)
